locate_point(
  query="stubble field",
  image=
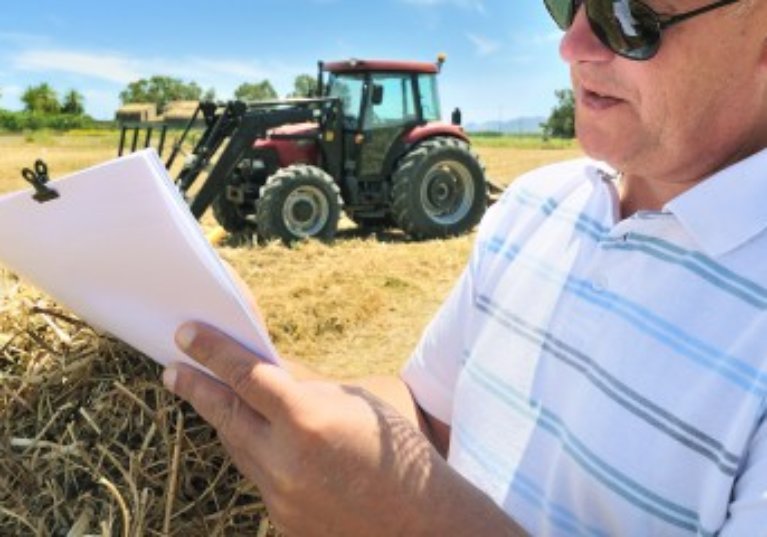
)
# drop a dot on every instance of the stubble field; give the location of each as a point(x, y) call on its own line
point(350, 308)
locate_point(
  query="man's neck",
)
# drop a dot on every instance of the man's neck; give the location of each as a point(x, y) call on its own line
point(642, 194)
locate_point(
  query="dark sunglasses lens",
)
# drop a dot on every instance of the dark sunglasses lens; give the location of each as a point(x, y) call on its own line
point(561, 11)
point(628, 27)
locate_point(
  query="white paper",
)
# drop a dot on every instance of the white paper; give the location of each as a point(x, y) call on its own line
point(121, 249)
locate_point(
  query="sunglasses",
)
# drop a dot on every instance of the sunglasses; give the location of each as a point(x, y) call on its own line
point(629, 28)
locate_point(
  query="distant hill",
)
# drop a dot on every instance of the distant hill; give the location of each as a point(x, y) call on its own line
point(519, 125)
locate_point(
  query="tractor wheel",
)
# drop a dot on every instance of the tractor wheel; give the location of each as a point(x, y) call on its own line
point(228, 215)
point(298, 202)
point(438, 189)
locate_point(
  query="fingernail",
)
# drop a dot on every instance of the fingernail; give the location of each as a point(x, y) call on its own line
point(169, 378)
point(185, 335)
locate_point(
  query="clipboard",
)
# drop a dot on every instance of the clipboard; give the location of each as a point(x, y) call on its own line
point(117, 245)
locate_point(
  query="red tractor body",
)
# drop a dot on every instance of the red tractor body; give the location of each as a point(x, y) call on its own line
point(289, 150)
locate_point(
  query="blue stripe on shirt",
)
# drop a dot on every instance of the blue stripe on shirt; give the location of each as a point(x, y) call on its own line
point(736, 370)
point(557, 514)
point(639, 496)
point(617, 391)
point(695, 262)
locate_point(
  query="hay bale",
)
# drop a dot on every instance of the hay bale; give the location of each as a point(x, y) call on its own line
point(91, 444)
point(136, 113)
point(179, 111)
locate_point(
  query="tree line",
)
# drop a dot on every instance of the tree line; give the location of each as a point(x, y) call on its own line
point(161, 90)
point(44, 109)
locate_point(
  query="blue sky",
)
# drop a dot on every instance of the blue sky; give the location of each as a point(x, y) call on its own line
point(502, 54)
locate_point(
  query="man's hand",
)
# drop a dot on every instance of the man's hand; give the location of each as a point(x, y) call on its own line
point(328, 459)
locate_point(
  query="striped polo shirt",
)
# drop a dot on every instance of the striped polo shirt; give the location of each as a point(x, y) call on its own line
point(605, 376)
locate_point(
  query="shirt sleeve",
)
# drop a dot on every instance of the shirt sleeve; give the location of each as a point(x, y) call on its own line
point(748, 508)
point(433, 368)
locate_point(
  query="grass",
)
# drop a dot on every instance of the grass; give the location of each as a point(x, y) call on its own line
point(524, 141)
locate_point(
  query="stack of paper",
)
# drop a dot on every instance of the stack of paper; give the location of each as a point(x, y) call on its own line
point(120, 248)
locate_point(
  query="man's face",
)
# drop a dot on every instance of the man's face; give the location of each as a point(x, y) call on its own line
point(699, 104)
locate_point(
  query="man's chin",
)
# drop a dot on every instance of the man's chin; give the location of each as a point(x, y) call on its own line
point(601, 145)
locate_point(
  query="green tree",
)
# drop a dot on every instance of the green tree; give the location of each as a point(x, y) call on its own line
point(73, 103)
point(41, 99)
point(561, 122)
point(260, 91)
point(209, 95)
point(160, 90)
point(304, 86)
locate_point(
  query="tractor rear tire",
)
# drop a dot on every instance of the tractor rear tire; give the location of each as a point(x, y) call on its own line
point(228, 215)
point(298, 202)
point(439, 189)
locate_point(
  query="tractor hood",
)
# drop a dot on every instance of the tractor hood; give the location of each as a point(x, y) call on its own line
point(292, 144)
point(296, 129)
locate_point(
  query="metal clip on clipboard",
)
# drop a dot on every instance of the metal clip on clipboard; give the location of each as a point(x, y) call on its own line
point(38, 178)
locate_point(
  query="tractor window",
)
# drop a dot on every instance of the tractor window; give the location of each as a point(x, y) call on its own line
point(397, 105)
point(349, 89)
point(427, 84)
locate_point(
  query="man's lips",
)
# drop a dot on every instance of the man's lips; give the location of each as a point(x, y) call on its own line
point(595, 100)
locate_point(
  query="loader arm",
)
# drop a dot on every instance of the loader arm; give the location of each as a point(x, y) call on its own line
point(242, 128)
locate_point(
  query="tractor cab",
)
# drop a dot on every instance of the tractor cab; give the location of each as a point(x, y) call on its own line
point(387, 108)
point(377, 94)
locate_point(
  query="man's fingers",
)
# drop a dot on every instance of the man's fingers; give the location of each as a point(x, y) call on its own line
point(235, 423)
point(265, 387)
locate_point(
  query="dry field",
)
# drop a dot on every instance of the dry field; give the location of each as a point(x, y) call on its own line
point(89, 442)
point(352, 308)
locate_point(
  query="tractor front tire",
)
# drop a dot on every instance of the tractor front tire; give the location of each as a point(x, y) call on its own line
point(438, 189)
point(298, 202)
point(228, 215)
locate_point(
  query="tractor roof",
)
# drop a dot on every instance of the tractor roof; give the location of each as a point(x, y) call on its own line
point(364, 66)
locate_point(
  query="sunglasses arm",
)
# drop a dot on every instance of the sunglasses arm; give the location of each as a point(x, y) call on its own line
point(665, 23)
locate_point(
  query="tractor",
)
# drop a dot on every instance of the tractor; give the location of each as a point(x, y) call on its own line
point(371, 144)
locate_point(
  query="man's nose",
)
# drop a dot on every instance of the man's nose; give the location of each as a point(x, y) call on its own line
point(580, 44)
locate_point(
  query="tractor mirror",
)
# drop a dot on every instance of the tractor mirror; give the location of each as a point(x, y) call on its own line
point(378, 92)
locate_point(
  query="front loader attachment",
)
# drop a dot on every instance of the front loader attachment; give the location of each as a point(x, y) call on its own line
point(140, 136)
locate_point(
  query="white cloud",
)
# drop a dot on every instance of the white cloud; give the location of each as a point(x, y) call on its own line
point(476, 5)
point(102, 66)
point(122, 69)
point(483, 46)
point(109, 72)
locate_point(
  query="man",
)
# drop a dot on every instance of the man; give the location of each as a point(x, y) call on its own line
point(601, 366)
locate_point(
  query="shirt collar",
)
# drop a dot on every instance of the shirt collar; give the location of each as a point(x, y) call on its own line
point(726, 209)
